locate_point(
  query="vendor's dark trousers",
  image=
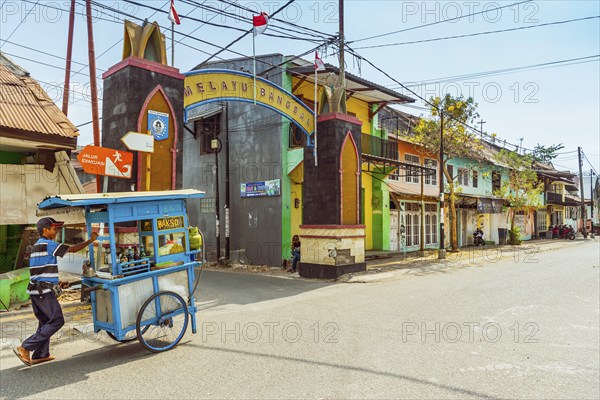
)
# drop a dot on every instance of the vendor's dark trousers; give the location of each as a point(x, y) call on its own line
point(49, 314)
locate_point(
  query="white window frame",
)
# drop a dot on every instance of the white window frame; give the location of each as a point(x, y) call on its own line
point(412, 175)
point(431, 225)
point(463, 176)
point(413, 225)
point(431, 179)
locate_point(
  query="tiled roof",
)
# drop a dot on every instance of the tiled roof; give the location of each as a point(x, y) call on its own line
point(25, 106)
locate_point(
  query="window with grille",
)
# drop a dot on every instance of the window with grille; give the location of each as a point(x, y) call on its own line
point(296, 137)
point(430, 176)
point(541, 221)
point(475, 178)
point(556, 188)
point(431, 228)
point(431, 208)
point(463, 176)
point(571, 212)
point(496, 181)
point(412, 230)
point(412, 174)
point(207, 129)
point(395, 176)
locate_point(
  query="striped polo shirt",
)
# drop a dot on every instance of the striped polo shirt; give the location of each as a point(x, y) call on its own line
point(43, 264)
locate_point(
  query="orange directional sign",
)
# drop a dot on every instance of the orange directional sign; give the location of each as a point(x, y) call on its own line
point(104, 161)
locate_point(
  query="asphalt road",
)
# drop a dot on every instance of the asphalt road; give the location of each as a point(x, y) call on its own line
point(516, 328)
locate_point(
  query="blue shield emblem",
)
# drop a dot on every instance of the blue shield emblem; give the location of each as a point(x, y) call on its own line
point(158, 125)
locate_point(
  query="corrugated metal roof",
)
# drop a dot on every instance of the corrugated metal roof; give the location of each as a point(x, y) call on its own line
point(25, 106)
point(81, 200)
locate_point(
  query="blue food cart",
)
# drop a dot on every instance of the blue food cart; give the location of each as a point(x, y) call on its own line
point(149, 296)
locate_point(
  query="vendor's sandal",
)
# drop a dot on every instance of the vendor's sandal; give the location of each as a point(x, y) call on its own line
point(23, 355)
point(41, 360)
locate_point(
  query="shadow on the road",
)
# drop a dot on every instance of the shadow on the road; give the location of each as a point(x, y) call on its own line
point(219, 288)
point(22, 381)
point(456, 390)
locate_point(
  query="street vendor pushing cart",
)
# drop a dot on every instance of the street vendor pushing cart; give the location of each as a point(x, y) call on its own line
point(140, 278)
point(44, 288)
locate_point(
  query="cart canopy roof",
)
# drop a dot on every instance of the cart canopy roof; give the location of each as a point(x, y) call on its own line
point(98, 199)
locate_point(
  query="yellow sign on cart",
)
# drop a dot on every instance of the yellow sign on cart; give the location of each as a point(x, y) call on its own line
point(169, 223)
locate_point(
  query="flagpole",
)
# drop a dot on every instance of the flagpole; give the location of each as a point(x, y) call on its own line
point(315, 155)
point(254, 62)
point(172, 43)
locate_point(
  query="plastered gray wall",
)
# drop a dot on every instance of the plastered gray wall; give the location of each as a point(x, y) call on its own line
point(255, 155)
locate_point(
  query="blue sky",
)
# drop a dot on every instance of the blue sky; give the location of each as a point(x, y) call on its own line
point(543, 105)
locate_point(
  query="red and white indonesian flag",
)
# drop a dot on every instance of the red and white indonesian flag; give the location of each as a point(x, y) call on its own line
point(173, 16)
point(319, 64)
point(260, 23)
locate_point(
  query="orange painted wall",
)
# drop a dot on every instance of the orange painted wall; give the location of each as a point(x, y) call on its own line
point(405, 147)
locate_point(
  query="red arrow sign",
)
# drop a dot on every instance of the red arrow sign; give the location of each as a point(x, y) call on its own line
point(103, 161)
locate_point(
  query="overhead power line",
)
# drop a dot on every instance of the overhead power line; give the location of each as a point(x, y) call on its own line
point(283, 36)
point(479, 33)
point(45, 53)
point(245, 34)
point(589, 162)
point(473, 129)
point(272, 17)
point(438, 22)
point(571, 61)
point(196, 38)
point(21, 22)
point(272, 25)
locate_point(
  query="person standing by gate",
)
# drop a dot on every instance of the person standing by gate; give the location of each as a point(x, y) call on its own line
point(44, 288)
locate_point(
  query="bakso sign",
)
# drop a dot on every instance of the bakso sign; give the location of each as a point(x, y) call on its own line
point(163, 224)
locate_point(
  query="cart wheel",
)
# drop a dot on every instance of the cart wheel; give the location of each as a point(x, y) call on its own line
point(162, 321)
point(129, 336)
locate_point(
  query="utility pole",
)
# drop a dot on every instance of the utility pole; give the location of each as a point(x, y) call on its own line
point(217, 203)
point(65, 104)
point(442, 251)
point(592, 193)
point(341, 60)
point(520, 147)
point(227, 184)
point(422, 216)
point(93, 89)
point(583, 213)
point(481, 127)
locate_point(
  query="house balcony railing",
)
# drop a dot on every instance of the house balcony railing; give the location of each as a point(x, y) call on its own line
point(378, 147)
point(554, 198)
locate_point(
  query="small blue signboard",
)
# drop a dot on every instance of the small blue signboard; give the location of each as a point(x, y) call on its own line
point(261, 189)
point(158, 124)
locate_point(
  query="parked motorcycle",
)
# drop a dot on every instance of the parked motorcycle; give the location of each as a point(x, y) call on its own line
point(478, 237)
point(563, 232)
point(568, 233)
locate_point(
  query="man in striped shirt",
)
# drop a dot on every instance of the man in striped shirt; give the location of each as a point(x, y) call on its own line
point(43, 269)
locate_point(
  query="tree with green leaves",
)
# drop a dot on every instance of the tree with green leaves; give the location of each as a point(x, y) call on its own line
point(454, 114)
point(522, 190)
point(545, 154)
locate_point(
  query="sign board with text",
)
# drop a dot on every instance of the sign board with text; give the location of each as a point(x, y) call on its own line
point(261, 189)
point(97, 160)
